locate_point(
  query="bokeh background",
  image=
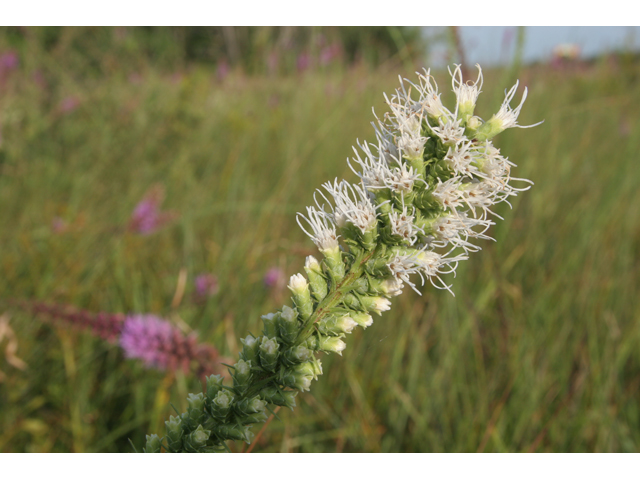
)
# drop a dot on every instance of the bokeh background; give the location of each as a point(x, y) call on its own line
point(227, 132)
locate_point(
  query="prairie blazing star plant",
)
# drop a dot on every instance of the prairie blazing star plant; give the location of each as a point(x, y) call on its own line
point(425, 194)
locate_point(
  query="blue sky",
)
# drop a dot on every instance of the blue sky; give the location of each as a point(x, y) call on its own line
point(495, 45)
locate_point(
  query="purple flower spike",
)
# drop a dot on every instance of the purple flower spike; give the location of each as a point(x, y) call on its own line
point(154, 341)
point(148, 338)
point(159, 344)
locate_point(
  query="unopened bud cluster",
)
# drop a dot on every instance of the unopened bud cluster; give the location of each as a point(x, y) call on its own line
point(426, 190)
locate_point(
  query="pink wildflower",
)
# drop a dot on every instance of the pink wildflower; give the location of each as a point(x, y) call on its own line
point(147, 217)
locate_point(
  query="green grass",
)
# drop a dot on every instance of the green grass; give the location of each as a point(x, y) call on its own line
point(538, 351)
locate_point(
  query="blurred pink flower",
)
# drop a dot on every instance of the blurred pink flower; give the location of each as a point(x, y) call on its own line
point(274, 279)
point(58, 225)
point(206, 285)
point(329, 53)
point(9, 61)
point(147, 216)
point(223, 69)
point(68, 104)
point(303, 61)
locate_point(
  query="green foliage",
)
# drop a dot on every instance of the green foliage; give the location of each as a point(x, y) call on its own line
point(99, 50)
point(537, 351)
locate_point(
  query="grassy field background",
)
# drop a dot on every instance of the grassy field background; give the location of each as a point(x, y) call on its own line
point(538, 351)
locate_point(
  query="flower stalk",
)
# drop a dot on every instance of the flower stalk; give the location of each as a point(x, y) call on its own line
point(426, 190)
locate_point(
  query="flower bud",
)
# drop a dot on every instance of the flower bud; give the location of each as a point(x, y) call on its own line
point(361, 285)
point(335, 264)
point(228, 432)
point(251, 406)
point(214, 385)
point(297, 354)
point(288, 324)
point(312, 343)
point(316, 367)
point(391, 286)
point(221, 404)
point(299, 377)
point(242, 369)
point(363, 319)
point(269, 353)
point(301, 295)
point(298, 284)
point(250, 349)
point(376, 304)
point(309, 368)
point(277, 396)
point(270, 325)
point(241, 375)
point(311, 264)
point(153, 444)
point(333, 325)
point(195, 409)
point(474, 123)
point(198, 438)
point(331, 344)
point(174, 433)
point(316, 278)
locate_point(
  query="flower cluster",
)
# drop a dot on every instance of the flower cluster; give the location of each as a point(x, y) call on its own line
point(427, 187)
point(157, 342)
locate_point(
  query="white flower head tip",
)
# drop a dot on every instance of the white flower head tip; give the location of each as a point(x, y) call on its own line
point(429, 101)
point(288, 313)
point(347, 324)
point(363, 319)
point(331, 344)
point(269, 346)
point(339, 346)
point(392, 286)
point(352, 205)
point(249, 340)
point(508, 116)
point(324, 231)
point(223, 399)
point(375, 169)
point(382, 305)
point(311, 264)
point(297, 283)
point(243, 368)
point(378, 304)
point(466, 92)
